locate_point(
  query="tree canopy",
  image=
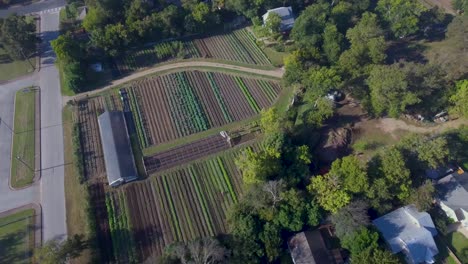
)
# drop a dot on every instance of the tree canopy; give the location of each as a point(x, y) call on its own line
point(402, 15)
point(18, 36)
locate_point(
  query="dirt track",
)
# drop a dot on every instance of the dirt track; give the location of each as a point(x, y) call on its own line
point(390, 125)
point(278, 73)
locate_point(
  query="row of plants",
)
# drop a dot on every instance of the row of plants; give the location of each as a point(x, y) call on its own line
point(141, 132)
point(219, 98)
point(188, 98)
point(268, 89)
point(244, 36)
point(253, 104)
point(124, 248)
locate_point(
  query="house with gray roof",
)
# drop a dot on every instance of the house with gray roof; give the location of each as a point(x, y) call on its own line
point(309, 247)
point(452, 196)
point(118, 155)
point(411, 232)
point(286, 14)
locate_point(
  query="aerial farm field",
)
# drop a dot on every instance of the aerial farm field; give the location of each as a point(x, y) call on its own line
point(234, 47)
point(189, 186)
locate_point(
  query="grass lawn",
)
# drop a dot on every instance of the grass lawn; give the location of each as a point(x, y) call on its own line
point(11, 69)
point(22, 172)
point(459, 245)
point(76, 194)
point(17, 237)
point(276, 58)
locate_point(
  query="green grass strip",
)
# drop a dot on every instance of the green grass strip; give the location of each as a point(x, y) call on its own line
point(195, 107)
point(137, 118)
point(247, 94)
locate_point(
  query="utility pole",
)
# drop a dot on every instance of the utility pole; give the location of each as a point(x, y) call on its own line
point(26, 58)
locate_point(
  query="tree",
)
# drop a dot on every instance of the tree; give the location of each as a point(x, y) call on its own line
point(66, 48)
point(389, 90)
point(328, 192)
point(332, 43)
point(274, 189)
point(460, 99)
point(434, 152)
point(360, 240)
point(352, 173)
point(350, 218)
point(96, 18)
point(423, 196)
point(56, 252)
point(258, 166)
point(319, 81)
point(204, 250)
point(270, 121)
point(367, 46)
point(319, 111)
point(375, 256)
point(112, 40)
point(401, 15)
point(273, 24)
point(271, 238)
point(18, 36)
point(293, 213)
point(396, 173)
point(74, 76)
point(308, 27)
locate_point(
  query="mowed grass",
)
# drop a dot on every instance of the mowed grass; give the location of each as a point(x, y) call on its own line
point(17, 237)
point(458, 243)
point(11, 69)
point(76, 194)
point(22, 171)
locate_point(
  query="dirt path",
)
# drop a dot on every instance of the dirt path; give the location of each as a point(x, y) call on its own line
point(445, 4)
point(278, 73)
point(391, 125)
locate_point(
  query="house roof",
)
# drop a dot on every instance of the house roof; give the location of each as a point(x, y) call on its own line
point(308, 247)
point(452, 190)
point(286, 14)
point(406, 228)
point(118, 156)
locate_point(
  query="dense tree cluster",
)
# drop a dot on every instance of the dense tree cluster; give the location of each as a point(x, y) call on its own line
point(18, 36)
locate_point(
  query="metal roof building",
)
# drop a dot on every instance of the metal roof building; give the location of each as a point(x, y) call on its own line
point(118, 156)
point(286, 14)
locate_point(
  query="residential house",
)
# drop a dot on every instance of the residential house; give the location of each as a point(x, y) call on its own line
point(452, 196)
point(287, 17)
point(118, 155)
point(411, 232)
point(309, 247)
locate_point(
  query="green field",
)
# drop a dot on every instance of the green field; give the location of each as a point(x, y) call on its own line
point(11, 69)
point(458, 243)
point(17, 237)
point(23, 160)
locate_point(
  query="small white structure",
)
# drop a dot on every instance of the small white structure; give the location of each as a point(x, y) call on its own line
point(97, 67)
point(286, 14)
point(453, 196)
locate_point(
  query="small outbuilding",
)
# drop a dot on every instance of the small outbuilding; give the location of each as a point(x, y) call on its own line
point(118, 155)
point(309, 247)
point(452, 196)
point(286, 14)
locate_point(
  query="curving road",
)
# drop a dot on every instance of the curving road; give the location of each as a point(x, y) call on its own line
point(277, 73)
point(49, 190)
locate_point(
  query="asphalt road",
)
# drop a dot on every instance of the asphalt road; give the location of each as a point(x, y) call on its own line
point(52, 158)
point(32, 8)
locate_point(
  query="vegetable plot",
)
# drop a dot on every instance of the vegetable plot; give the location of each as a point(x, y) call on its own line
point(176, 105)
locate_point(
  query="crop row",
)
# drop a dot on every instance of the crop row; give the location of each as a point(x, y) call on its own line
point(176, 105)
point(238, 46)
point(123, 244)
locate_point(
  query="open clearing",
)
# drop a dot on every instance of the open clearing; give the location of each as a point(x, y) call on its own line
point(23, 149)
point(17, 237)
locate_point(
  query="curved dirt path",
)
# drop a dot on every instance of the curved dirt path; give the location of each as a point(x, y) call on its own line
point(390, 125)
point(277, 73)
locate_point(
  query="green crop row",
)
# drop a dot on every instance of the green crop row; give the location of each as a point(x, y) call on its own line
point(218, 96)
point(253, 104)
point(137, 118)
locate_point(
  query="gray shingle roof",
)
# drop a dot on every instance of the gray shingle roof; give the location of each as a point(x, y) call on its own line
point(406, 228)
point(286, 14)
point(118, 156)
point(452, 190)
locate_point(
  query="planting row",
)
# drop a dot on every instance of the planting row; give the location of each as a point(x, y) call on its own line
point(238, 46)
point(180, 104)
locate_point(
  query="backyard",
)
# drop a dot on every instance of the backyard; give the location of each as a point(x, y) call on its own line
point(17, 237)
point(23, 151)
